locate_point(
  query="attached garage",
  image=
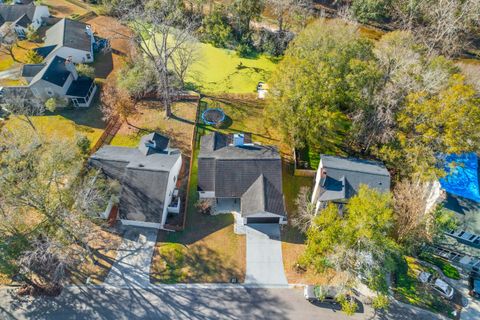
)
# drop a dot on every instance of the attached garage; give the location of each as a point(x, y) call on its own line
point(263, 220)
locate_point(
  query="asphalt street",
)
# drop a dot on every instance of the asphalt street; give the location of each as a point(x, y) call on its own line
point(174, 302)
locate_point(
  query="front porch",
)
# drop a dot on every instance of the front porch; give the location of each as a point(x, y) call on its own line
point(227, 205)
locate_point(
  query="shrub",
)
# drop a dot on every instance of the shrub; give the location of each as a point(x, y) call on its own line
point(245, 50)
point(85, 70)
point(83, 144)
point(371, 10)
point(273, 43)
point(54, 103)
point(448, 270)
point(32, 35)
point(33, 57)
point(348, 304)
point(380, 302)
point(204, 206)
point(216, 29)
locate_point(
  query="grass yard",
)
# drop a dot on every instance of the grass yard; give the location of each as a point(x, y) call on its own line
point(63, 8)
point(223, 71)
point(151, 118)
point(408, 289)
point(67, 124)
point(19, 52)
point(206, 251)
point(447, 268)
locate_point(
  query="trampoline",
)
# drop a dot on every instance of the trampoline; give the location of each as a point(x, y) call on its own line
point(213, 116)
point(462, 176)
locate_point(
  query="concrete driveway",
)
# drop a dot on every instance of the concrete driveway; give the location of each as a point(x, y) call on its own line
point(264, 255)
point(132, 265)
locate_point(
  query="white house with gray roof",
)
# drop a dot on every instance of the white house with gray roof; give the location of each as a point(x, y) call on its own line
point(59, 78)
point(338, 179)
point(148, 175)
point(69, 39)
point(22, 16)
point(241, 177)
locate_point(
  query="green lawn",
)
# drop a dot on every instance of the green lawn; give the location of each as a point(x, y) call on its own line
point(223, 71)
point(68, 124)
point(448, 270)
point(408, 289)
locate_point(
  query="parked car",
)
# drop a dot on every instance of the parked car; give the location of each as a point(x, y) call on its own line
point(443, 288)
point(474, 285)
point(321, 294)
point(425, 277)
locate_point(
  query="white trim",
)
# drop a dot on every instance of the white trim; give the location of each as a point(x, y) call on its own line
point(141, 224)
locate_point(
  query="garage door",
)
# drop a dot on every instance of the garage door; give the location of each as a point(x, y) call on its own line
point(263, 220)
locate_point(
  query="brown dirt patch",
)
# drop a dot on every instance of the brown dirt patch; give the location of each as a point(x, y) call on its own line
point(61, 8)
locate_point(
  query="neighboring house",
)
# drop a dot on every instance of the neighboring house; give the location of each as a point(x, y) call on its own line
point(59, 78)
point(148, 176)
point(69, 38)
point(241, 178)
point(20, 17)
point(338, 179)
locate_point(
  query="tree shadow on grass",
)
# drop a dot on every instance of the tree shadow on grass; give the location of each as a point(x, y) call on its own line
point(177, 263)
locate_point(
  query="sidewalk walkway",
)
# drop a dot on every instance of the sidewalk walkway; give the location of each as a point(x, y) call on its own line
point(132, 265)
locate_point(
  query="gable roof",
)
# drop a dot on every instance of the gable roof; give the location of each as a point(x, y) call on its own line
point(54, 72)
point(45, 51)
point(262, 196)
point(153, 143)
point(343, 177)
point(69, 33)
point(230, 171)
point(22, 14)
point(144, 178)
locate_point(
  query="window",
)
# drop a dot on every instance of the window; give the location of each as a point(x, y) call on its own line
point(49, 91)
point(174, 178)
point(89, 56)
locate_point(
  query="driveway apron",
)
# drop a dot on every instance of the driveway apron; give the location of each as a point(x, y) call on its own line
point(134, 256)
point(264, 255)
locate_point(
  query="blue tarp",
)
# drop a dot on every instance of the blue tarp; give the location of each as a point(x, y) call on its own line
point(462, 176)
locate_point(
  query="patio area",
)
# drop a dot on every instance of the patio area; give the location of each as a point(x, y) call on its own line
point(227, 205)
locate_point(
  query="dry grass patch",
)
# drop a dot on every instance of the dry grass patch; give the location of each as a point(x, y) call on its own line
point(151, 117)
point(217, 257)
point(62, 8)
point(105, 243)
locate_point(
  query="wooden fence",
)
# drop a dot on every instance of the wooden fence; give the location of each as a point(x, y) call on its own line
point(113, 125)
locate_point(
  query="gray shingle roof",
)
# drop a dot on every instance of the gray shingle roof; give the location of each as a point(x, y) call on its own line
point(153, 143)
point(69, 33)
point(262, 196)
point(54, 72)
point(30, 70)
point(230, 171)
point(345, 175)
point(144, 178)
point(11, 13)
point(80, 87)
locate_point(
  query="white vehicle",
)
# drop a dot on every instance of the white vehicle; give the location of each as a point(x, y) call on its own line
point(443, 288)
point(424, 277)
point(329, 294)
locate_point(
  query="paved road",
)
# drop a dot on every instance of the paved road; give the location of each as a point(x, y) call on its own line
point(134, 256)
point(176, 302)
point(264, 255)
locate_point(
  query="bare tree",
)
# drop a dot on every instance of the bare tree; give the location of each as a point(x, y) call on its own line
point(444, 26)
point(305, 210)
point(8, 40)
point(20, 102)
point(116, 102)
point(285, 10)
point(183, 58)
point(162, 34)
point(412, 221)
